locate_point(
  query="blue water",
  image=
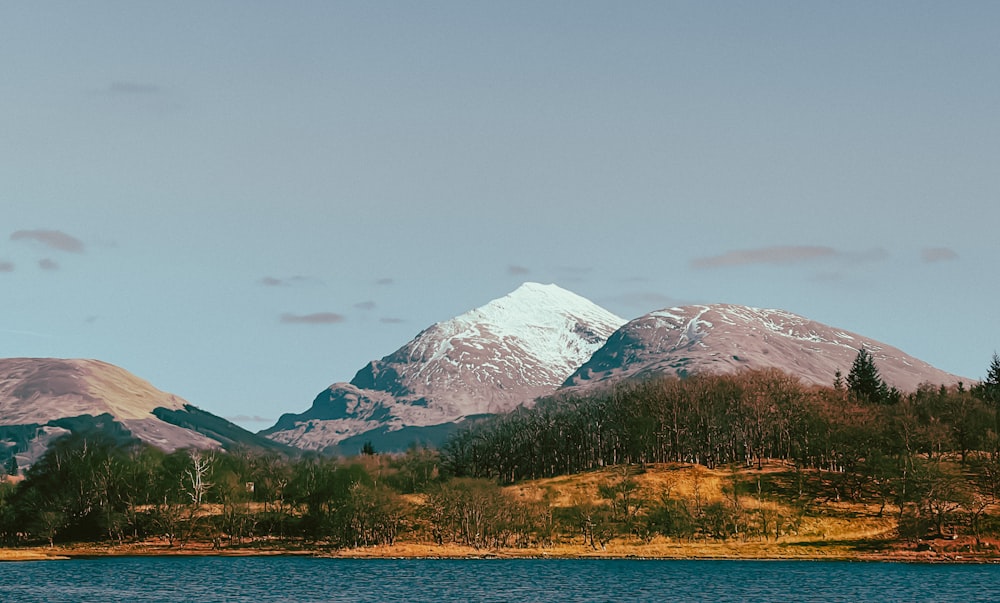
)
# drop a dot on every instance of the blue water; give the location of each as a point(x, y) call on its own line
point(267, 579)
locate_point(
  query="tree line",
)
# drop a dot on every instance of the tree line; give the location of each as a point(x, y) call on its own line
point(90, 487)
point(932, 456)
point(740, 418)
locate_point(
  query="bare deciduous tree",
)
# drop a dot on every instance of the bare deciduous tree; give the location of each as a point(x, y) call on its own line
point(196, 483)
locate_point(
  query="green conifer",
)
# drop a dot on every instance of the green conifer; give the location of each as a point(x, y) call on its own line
point(991, 384)
point(864, 381)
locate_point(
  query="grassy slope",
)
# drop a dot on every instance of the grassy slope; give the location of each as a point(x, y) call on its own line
point(823, 529)
point(816, 528)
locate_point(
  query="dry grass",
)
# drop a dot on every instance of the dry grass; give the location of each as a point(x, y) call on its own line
point(814, 529)
point(681, 480)
point(822, 529)
point(657, 549)
point(32, 554)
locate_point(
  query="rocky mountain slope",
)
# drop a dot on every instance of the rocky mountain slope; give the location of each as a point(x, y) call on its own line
point(44, 398)
point(488, 360)
point(726, 338)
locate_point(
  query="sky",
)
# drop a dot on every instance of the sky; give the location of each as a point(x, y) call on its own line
point(244, 202)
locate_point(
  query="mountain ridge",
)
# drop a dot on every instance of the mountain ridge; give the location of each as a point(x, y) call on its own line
point(42, 399)
point(490, 359)
point(725, 338)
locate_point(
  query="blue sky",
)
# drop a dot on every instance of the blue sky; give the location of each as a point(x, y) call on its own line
point(244, 202)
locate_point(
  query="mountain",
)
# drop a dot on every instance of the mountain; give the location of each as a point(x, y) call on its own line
point(488, 360)
point(725, 338)
point(44, 398)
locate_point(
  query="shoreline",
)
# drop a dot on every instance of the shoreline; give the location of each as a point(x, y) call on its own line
point(425, 551)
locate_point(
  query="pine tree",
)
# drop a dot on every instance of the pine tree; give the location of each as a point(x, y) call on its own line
point(864, 381)
point(990, 386)
point(988, 390)
point(11, 466)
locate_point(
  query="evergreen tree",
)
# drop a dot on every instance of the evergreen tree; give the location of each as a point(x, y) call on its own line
point(11, 466)
point(864, 381)
point(990, 387)
point(988, 390)
point(838, 381)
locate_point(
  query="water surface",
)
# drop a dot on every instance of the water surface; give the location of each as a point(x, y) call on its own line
point(273, 579)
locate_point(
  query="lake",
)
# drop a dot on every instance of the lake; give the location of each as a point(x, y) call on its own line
point(267, 579)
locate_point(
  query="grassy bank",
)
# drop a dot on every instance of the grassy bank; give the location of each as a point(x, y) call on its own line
point(939, 552)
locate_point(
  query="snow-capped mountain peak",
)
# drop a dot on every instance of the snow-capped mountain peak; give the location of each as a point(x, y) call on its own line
point(490, 359)
point(532, 334)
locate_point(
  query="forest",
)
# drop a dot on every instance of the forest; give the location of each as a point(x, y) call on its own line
point(930, 459)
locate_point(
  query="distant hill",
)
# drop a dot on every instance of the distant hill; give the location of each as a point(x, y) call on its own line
point(723, 338)
point(488, 360)
point(44, 398)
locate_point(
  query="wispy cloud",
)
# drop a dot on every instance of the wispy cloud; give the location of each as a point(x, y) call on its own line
point(48, 264)
point(26, 333)
point(764, 255)
point(937, 254)
point(6, 267)
point(126, 88)
point(391, 321)
point(788, 254)
point(515, 270)
point(384, 281)
point(274, 281)
point(319, 318)
point(365, 305)
point(55, 239)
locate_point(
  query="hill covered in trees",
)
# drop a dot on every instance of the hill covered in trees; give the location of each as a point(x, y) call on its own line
point(721, 419)
point(664, 465)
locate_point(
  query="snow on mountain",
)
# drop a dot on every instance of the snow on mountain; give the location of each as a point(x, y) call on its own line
point(725, 338)
point(43, 398)
point(488, 360)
